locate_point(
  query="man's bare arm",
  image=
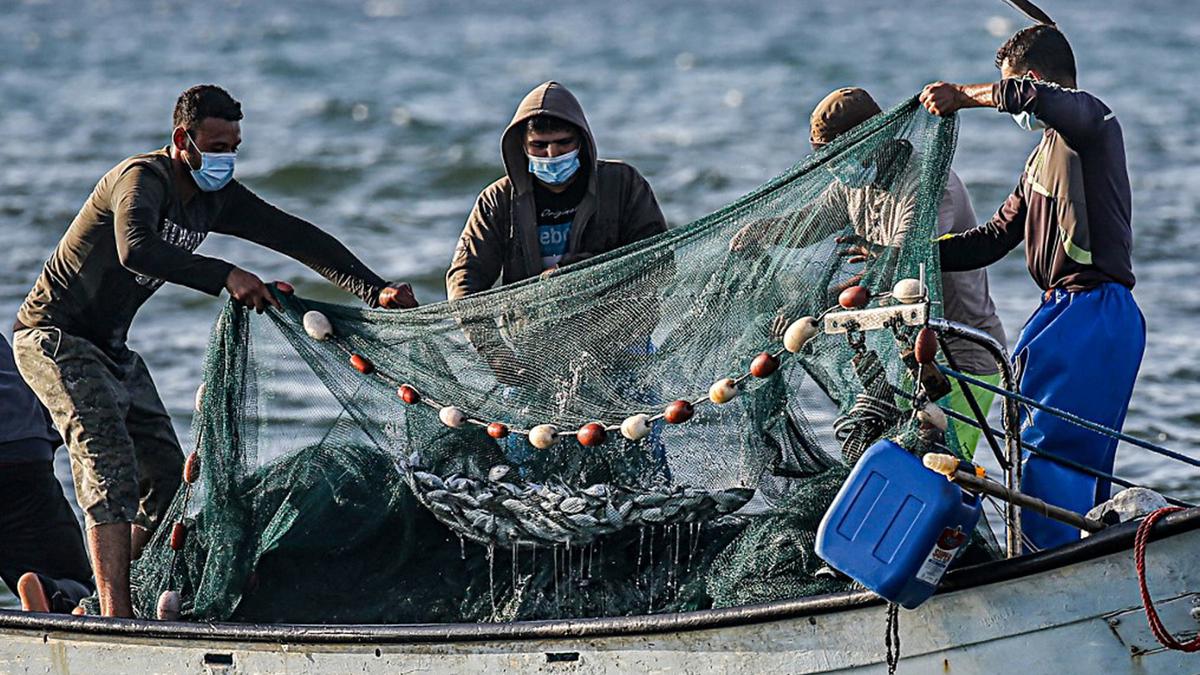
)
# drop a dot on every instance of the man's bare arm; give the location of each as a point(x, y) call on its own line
point(946, 98)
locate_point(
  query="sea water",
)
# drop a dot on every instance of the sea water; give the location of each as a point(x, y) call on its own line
point(380, 121)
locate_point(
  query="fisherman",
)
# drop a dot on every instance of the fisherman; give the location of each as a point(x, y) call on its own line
point(965, 296)
point(1081, 349)
point(873, 198)
point(137, 230)
point(42, 559)
point(557, 204)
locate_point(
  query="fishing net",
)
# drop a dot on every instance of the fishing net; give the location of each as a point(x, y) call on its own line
point(324, 496)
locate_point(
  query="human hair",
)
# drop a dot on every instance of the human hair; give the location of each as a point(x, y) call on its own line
point(1042, 48)
point(205, 100)
point(545, 124)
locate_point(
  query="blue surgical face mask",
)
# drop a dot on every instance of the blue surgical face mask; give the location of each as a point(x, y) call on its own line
point(554, 170)
point(1028, 121)
point(216, 168)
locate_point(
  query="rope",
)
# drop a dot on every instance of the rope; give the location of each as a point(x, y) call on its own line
point(891, 637)
point(1070, 417)
point(1139, 557)
point(1082, 468)
point(866, 421)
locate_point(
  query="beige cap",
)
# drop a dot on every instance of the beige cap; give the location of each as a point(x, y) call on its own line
point(839, 112)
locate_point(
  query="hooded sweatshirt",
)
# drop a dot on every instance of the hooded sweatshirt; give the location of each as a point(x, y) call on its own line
point(500, 239)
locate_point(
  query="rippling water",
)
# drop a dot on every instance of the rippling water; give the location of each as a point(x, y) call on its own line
point(380, 120)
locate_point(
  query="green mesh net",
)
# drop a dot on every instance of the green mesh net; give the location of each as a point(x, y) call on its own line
point(324, 497)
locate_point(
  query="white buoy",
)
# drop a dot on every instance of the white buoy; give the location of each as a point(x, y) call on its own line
point(636, 427)
point(452, 417)
point(543, 436)
point(908, 291)
point(723, 391)
point(799, 333)
point(317, 326)
point(932, 415)
point(168, 606)
point(199, 396)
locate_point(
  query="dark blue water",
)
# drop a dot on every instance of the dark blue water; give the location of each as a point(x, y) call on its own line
point(380, 120)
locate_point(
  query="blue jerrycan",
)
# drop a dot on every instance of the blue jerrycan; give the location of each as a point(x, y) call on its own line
point(896, 526)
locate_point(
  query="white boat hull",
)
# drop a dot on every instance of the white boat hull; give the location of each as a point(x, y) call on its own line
point(1078, 617)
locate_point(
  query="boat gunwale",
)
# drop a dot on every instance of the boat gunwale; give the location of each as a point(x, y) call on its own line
point(1107, 542)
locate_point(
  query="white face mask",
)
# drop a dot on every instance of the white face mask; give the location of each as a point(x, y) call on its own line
point(1028, 121)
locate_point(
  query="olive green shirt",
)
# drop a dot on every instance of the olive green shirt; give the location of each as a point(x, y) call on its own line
point(133, 234)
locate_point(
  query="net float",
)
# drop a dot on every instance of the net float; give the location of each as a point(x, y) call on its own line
point(409, 394)
point(925, 347)
point(362, 364)
point(168, 606)
point(191, 468)
point(764, 365)
point(855, 297)
point(932, 415)
point(317, 326)
point(908, 291)
point(636, 427)
point(723, 391)
point(497, 430)
point(452, 417)
point(799, 333)
point(543, 436)
point(178, 535)
point(199, 396)
point(591, 434)
point(679, 412)
point(285, 288)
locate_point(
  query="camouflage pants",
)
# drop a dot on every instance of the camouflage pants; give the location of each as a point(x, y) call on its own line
point(125, 457)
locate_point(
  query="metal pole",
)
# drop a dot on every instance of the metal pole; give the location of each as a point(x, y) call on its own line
point(1011, 421)
point(947, 465)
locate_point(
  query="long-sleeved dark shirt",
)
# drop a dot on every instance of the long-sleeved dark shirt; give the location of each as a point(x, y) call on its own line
point(133, 234)
point(1072, 205)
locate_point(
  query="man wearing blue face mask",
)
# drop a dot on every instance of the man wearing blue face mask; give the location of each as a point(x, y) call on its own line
point(1081, 349)
point(557, 203)
point(137, 230)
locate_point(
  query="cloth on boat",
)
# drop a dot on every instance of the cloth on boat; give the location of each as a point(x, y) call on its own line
point(1079, 352)
point(125, 457)
point(39, 533)
point(966, 434)
point(25, 433)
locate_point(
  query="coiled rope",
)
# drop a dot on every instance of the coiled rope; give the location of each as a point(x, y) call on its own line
point(1160, 631)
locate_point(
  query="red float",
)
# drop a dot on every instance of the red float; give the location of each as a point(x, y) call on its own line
point(925, 348)
point(178, 535)
point(191, 468)
point(855, 297)
point(497, 430)
point(409, 394)
point(285, 288)
point(764, 365)
point(362, 364)
point(679, 412)
point(592, 434)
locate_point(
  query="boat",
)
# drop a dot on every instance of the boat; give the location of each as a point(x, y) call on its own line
point(1014, 614)
point(1073, 609)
